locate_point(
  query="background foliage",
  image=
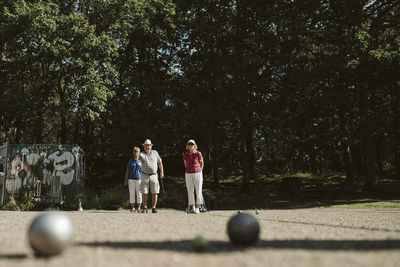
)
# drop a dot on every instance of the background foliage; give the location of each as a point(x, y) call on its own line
point(263, 87)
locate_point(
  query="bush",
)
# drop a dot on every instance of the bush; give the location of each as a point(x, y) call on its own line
point(102, 199)
point(72, 198)
point(117, 195)
point(107, 198)
point(21, 201)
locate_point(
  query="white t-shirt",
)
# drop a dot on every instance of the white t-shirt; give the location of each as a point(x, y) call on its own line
point(150, 166)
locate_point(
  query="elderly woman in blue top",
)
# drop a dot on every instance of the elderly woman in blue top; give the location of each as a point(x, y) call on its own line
point(133, 177)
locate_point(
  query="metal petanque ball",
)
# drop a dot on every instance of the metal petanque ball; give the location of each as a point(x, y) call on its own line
point(50, 233)
point(243, 229)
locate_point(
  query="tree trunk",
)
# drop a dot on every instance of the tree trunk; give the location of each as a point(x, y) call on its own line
point(18, 131)
point(77, 131)
point(367, 141)
point(251, 157)
point(63, 111)
point(369, 164)
point(38, 127)
point(379, 153)
point(214, 161)
point(397, 164)
point(348, 163)
point(63, 126)
point(244, 152)
point(245, 171)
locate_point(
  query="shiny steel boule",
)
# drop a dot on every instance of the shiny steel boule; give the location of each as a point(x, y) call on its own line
point(50, 233)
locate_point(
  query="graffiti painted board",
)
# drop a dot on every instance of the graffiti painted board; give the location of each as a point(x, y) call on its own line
point(48, 170)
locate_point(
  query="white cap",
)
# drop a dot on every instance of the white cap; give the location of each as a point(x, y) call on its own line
point(191, 141)
point(147, 142)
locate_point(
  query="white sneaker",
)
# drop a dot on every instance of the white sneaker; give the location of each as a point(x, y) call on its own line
point(197, 210)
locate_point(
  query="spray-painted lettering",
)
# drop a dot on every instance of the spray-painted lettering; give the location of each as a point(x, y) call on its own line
point(60, 166)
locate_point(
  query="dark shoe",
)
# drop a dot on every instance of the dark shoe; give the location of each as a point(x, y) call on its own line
point(154, 210)
point(190, 211)
point(144, 210)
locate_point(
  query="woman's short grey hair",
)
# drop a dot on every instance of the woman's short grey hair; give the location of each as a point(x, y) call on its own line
point(136, 149)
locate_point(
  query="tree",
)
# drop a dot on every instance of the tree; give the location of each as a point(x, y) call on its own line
point(65, 68)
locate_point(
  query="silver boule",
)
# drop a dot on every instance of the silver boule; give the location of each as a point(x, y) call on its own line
point(50, 233)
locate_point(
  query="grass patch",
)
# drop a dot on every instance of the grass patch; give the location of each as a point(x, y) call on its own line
point(298, 175)
point(232, 179)
point(368, 205)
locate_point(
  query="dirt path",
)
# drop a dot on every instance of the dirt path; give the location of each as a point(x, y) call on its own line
point(307, 237)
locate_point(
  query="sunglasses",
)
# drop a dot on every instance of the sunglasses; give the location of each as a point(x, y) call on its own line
point(190, 144)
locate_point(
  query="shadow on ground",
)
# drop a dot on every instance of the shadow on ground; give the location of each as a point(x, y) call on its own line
point(16, 256)
point(226, 247)
point(220, 246)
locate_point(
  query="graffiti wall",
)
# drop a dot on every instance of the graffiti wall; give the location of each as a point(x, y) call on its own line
point(44, 168)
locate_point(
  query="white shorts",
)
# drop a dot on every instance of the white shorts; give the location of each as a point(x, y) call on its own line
point(150, 182)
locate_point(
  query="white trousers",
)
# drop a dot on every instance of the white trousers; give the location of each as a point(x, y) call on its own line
point(194, 181)
point(134, 189)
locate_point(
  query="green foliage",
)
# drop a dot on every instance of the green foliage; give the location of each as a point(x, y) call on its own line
point(282, 87)
point(11, 205)
point(71, 198)
point(99, 200)
point(118, 195)
point(299, 175)
point(21, 201)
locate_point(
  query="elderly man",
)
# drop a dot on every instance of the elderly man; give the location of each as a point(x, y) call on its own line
point(151, 161)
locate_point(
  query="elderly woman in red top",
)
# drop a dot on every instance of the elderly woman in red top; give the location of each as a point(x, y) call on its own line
point(194, 164)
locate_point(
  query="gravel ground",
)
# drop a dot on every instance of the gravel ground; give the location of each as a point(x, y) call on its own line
point(300, 237)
